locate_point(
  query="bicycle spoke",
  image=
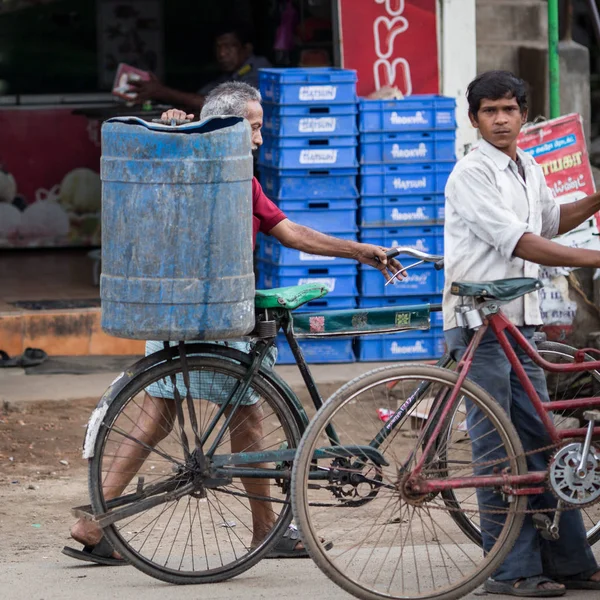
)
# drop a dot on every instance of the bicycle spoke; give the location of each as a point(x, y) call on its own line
point(390, 541)
point(208, 533)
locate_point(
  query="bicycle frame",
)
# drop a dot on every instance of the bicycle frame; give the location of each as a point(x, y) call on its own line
point(500, 325)
point(248, 458)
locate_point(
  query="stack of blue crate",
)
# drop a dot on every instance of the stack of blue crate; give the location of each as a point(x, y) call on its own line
point(407, 151)
point(308, 167)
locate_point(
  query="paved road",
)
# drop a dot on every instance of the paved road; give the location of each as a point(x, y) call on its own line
point(58, 578)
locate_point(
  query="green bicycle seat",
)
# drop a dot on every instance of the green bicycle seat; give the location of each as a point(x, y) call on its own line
point(289, 297)
point(501, 289)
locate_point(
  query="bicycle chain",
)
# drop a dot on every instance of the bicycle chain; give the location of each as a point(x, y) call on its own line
point(429, 506)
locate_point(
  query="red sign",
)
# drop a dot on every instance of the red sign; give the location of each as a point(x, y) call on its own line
point(390, 42)
point(559, 147)
point(49, 178)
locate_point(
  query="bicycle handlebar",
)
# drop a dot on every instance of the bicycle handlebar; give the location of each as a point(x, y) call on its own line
point(437, 260)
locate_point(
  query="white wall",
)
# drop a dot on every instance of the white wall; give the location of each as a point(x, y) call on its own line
point(458, 58)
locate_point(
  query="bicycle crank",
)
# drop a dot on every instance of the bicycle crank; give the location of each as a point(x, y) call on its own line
point(574, 471)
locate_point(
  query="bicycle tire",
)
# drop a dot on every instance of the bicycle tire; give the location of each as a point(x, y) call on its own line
point(161, 371)
point(546, 349)
point(305, 458)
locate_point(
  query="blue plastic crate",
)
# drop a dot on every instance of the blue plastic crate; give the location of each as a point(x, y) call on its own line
point(428, 239)
point(383, 211)
point(318, 204)
point(324, 85)
point(309, 142)
point(436, 318)
point(271, 250)
point(340, 280)
point(415, 113)
point(418, 146)
point(440, 342)
point(326, 220)
point(441, 208)
point(317, 351)
point(308, 153)
point(292, 120)
point(309, 184)
point(411, 345)
point(394, 180)
point(422, 280)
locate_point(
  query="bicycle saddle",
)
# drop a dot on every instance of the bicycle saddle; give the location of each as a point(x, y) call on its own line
point(501, 289)
point(289, 297)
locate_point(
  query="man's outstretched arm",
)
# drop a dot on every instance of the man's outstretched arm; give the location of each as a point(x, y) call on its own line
point(575, 213)
point(308, 240)
point(537, 249)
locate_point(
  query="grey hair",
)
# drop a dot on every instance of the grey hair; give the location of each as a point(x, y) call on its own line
point(230, 99)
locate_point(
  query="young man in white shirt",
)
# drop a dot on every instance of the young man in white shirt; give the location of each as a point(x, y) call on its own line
point(500, 217)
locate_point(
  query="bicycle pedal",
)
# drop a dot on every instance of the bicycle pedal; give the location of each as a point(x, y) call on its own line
point(83, 512)
point(543, 524)
point(541, 521)
point(592, 415)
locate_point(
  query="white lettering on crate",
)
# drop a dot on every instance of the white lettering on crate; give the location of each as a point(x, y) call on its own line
point(415, 215)
point(394, 72)
point(409, 184)
point(317, 125)
point(420, 245)
point(417, 348)
point(328, 282)
point(313, 157)
point(416, 119)
point(310, 257)
point(309, 93)
point(420, 152)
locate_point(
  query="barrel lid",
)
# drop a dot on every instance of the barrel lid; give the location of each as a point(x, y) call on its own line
point(204, 126)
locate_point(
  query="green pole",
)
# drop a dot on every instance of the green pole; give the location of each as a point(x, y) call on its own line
point(553, 59)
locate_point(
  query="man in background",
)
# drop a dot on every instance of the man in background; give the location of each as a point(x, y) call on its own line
point(234, 52)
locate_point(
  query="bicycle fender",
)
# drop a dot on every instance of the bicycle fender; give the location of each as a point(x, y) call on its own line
point(126, 377)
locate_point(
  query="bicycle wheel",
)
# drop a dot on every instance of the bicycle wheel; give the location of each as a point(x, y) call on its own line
point(389, 542)
point(199, 534)
point(561, 386)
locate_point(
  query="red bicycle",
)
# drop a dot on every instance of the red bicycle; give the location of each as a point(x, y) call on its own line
point(401, 533)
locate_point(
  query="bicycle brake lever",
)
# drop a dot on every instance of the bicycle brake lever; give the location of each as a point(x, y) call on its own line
point(403, 269)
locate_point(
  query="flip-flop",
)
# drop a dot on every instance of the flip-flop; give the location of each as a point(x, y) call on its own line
point(100, 554)
point(6, 361)
point(528, 587)
point(30, 358)
point(286, 546)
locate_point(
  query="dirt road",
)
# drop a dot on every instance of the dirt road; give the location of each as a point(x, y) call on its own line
point(42, 476)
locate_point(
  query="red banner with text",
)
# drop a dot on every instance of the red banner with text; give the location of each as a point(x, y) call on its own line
point(390, 43)
point(559, 148)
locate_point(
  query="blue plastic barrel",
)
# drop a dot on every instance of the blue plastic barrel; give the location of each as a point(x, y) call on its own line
point(177, 229)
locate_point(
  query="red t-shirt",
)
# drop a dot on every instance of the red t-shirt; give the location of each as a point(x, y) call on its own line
point(265, 214)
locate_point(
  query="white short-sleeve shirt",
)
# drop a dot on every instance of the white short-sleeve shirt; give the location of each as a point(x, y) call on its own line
point(488, 209)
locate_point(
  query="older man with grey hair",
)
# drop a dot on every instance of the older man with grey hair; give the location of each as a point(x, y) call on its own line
point(246, 431)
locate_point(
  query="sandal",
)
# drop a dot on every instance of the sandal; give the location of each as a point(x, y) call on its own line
point(580, 581)
point(100, 554)
point(30, 358)
point(528, 587)
point(286, 546)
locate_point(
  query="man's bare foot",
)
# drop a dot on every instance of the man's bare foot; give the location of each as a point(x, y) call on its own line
point(88, 533)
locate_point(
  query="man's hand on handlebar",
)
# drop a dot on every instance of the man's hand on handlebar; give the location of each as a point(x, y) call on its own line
point(174, 114)
point(375, 256)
